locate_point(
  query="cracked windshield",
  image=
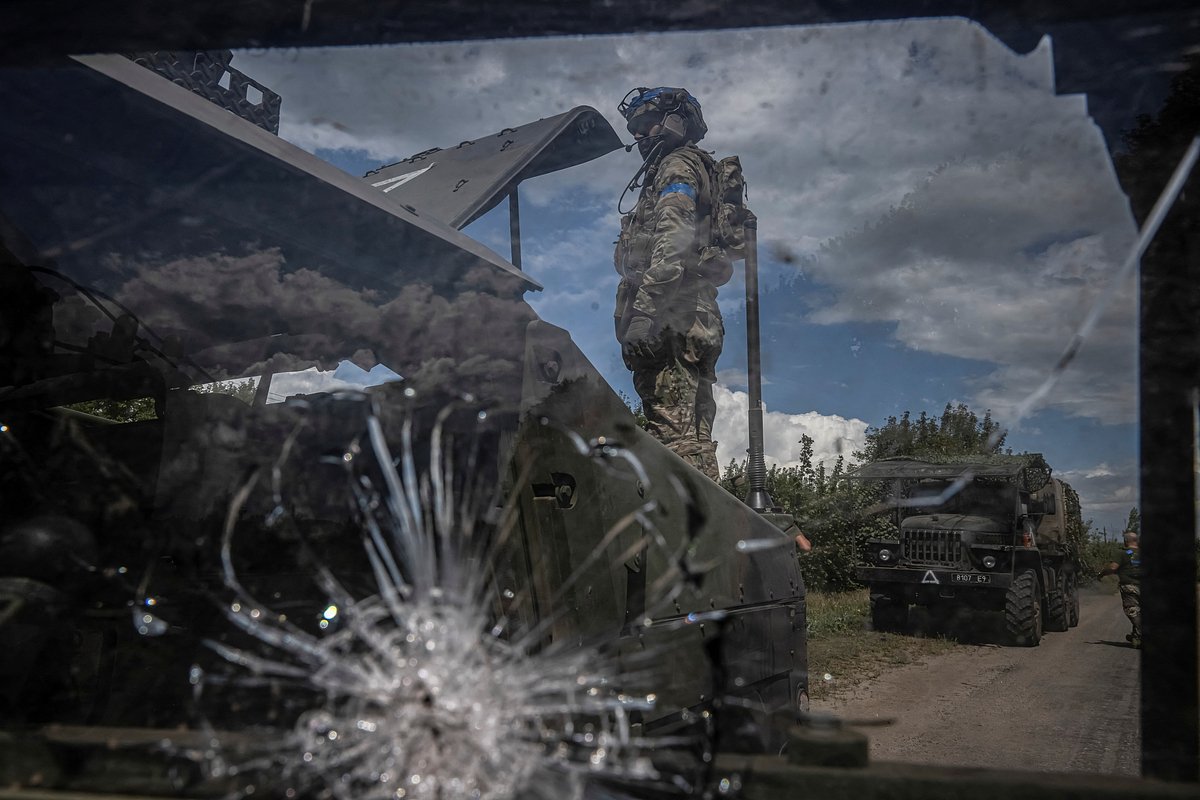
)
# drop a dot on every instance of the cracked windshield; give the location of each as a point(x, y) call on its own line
point(626, 415)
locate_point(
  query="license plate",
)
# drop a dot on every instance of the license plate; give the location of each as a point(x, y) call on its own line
point(970, 577)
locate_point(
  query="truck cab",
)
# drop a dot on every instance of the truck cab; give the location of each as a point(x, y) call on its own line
point(986, 535)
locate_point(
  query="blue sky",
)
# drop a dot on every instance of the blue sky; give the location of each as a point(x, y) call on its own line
point(934, 220)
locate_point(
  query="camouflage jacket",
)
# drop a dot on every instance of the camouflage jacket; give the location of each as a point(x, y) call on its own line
point(660, 252)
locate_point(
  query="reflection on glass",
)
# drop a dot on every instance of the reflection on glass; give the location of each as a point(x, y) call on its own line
point(321, 492)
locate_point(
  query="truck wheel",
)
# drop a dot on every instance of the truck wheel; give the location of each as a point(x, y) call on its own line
point(1072, 600)
point(888, 614)
point(1023, 610)
point(1058, 614)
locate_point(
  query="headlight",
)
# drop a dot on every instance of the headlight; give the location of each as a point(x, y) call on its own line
point(989, 562)
point(885, 556)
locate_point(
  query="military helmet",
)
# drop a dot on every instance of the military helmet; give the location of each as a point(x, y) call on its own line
point(673, 108)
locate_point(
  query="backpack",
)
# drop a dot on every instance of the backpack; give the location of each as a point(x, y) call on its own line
point(728, 213)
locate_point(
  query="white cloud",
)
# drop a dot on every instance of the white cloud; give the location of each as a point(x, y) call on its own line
point(832, 435)
point(733, 377)
point(1101, 470)
point(834, 123)
point(960, 199)
point(569, 255)
point(1008, 282)
point(309, 381)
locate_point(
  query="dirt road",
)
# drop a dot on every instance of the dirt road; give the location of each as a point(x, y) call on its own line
point(1069, 705)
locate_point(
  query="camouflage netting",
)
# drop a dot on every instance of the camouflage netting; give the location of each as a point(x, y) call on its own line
point(1034, 471)
point(1076, 530)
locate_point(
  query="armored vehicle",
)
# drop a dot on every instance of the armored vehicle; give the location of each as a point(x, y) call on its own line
point(248, 401)
point(990, 534)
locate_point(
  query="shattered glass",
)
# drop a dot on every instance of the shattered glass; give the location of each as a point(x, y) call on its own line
point(309, 493)
point(340, 531)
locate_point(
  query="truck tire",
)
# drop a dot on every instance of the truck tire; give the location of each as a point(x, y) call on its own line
point(1072, 600)
point(1023, 610)
point(888, 614)
point(1058, 612)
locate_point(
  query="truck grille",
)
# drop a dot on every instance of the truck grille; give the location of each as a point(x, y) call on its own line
point(935, 548)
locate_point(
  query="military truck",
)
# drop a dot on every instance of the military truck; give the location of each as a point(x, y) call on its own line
point(988, 534)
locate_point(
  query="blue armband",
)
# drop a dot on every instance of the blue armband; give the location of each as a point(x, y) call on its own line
point(678, 188)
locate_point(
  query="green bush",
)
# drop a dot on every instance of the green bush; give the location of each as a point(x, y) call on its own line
point(1095, 554)
point(144, 408)
point(832, 511)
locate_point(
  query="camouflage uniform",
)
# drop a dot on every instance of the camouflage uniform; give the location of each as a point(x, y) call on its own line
point(1129, 576)
point(669, 275)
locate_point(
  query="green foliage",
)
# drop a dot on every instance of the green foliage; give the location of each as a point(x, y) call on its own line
point(241, 389)
point(958, 432)
point(143, 408)
point(830, 614)
point(136, 410)
point(635, 406)
point(831, 510)
point(1134, 521)
point(1095, 553)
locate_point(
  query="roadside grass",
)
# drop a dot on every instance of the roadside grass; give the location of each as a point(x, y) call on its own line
point(831, 613)
point(843, 653)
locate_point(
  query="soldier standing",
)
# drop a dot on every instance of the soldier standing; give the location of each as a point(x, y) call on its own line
point(667, 319)
point(1129, 575)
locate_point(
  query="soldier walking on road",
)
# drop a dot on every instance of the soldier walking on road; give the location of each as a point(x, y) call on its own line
point(671, 264)
point(1129, 575)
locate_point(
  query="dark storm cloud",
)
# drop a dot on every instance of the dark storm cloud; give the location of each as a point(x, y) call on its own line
point(243, 315)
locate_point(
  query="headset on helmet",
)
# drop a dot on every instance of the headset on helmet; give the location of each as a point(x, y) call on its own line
point(675, 109)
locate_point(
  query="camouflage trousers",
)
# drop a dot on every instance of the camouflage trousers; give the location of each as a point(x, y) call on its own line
point(675, 386)
point(1131, 604)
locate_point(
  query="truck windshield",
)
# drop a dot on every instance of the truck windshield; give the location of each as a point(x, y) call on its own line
point(981, 498)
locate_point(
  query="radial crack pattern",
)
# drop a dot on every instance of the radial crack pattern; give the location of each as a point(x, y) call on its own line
point(417, 690)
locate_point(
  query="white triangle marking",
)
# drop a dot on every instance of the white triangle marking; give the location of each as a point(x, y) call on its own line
point(400, 180)
point(930, 577)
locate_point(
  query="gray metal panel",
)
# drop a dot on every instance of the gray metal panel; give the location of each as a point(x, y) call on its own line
point(459, 184)
point(167, 168)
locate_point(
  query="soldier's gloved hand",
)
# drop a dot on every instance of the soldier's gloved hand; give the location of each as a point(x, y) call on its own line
point(639, 338)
